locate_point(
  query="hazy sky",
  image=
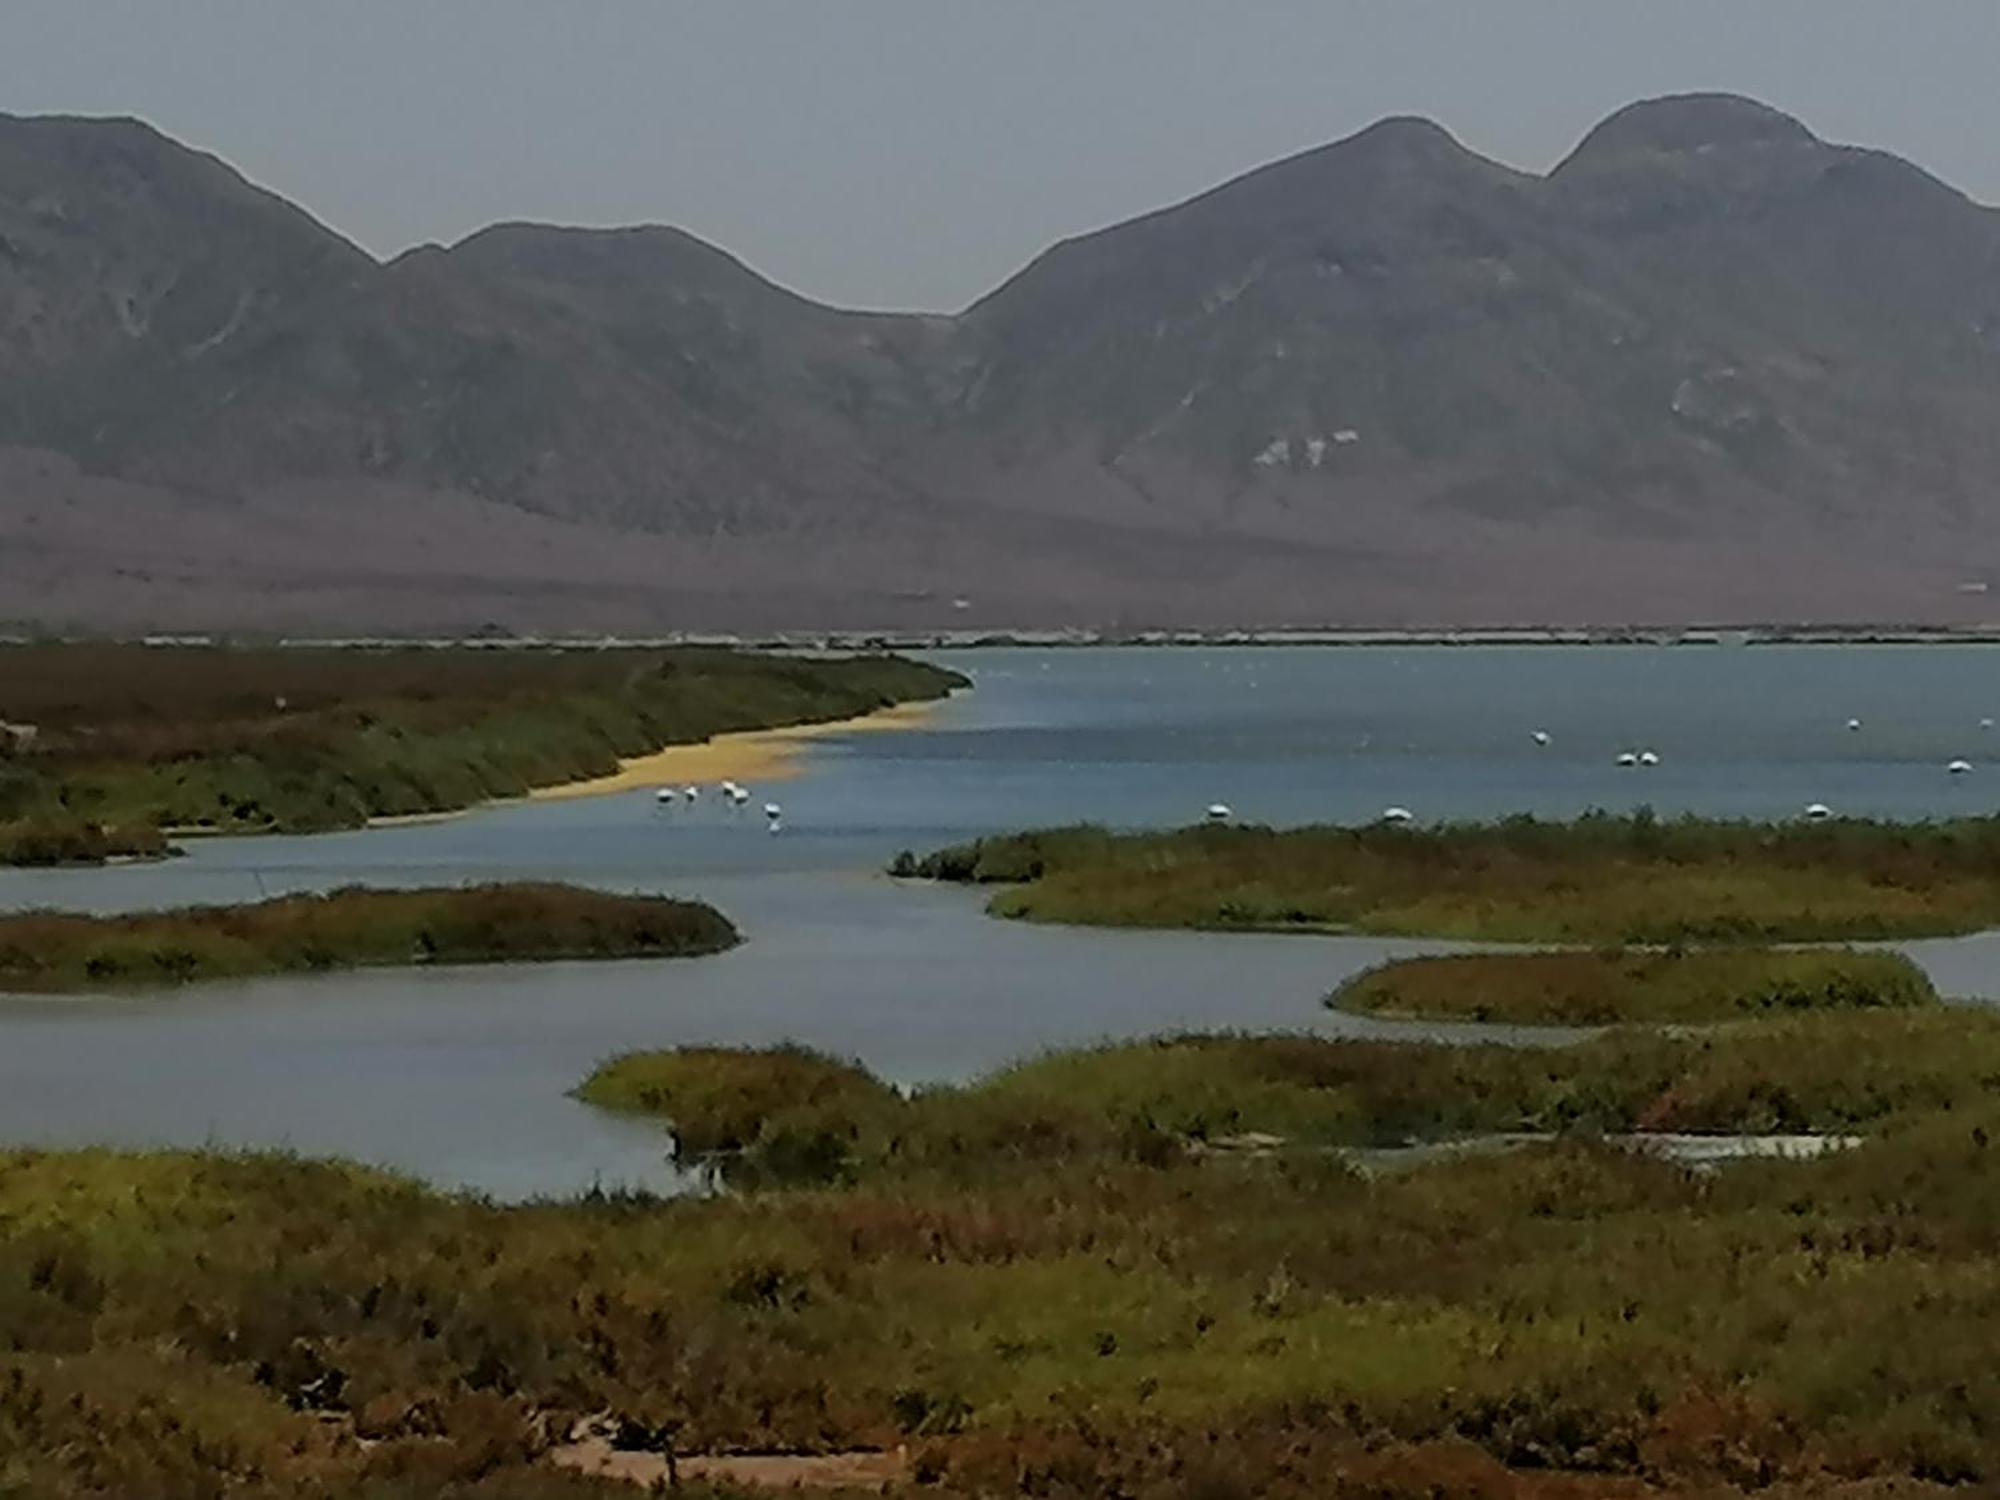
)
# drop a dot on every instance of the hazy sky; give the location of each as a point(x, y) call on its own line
point(912, 153)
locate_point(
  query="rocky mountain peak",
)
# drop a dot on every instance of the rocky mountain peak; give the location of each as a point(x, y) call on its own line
point(1688, 124)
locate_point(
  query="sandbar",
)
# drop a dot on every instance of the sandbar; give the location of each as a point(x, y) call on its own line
point(752, 756)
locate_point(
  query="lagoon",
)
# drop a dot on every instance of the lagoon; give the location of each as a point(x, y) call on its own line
point(460, 1076)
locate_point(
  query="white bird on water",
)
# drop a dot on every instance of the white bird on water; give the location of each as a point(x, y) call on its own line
point(664, 796)
point(1853, 725)
point(1818, 812)
point(1959, 767)
point(1627, 758)
point(1648, 758)
point(1398, 815)
point(1219, 812)
point(1541, 736)
point(739, 795)
point(692, 793)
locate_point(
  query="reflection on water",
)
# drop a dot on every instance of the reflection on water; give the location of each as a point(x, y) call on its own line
point(461, 1075)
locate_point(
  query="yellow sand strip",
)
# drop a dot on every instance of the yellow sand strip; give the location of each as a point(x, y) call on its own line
point(753, 756)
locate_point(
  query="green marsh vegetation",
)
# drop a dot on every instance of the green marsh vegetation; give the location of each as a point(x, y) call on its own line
point(1606, 987)
point(1040, 1285)
point(351, 928)
point(792, 1115)
point(1597, 880)
point(130, 742)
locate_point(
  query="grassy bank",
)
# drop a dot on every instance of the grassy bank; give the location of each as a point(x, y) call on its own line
point(1605, 988)
point(1598, 880)
point(130, 740)
point(1038, 1287)
point(351, 928)
point(792, 1115)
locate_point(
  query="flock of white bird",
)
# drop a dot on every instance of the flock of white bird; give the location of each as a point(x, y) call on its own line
point(1815, 812)
point(732, 794)
point(1220, 812)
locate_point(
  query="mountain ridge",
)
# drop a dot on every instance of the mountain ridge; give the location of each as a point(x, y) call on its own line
point(1707, 366)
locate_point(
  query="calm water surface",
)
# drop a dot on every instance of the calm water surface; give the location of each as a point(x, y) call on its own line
point(461, 1075)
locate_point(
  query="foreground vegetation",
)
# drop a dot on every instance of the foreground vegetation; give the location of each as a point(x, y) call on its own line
point(1060, 1282)
point(1665, 986)
point(129, 741)
point(1600, 879)
point(351, 928)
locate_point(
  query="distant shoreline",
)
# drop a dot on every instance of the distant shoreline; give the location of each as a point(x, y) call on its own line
point(813, 643)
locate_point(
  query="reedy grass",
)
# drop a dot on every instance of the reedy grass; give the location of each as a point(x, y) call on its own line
point(1608, 987)
point(351, 928)
point(1597, 880)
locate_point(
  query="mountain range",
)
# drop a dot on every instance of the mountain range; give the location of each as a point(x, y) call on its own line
point(1710, 367)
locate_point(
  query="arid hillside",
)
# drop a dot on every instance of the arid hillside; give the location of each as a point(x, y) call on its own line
point(1709, 367)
